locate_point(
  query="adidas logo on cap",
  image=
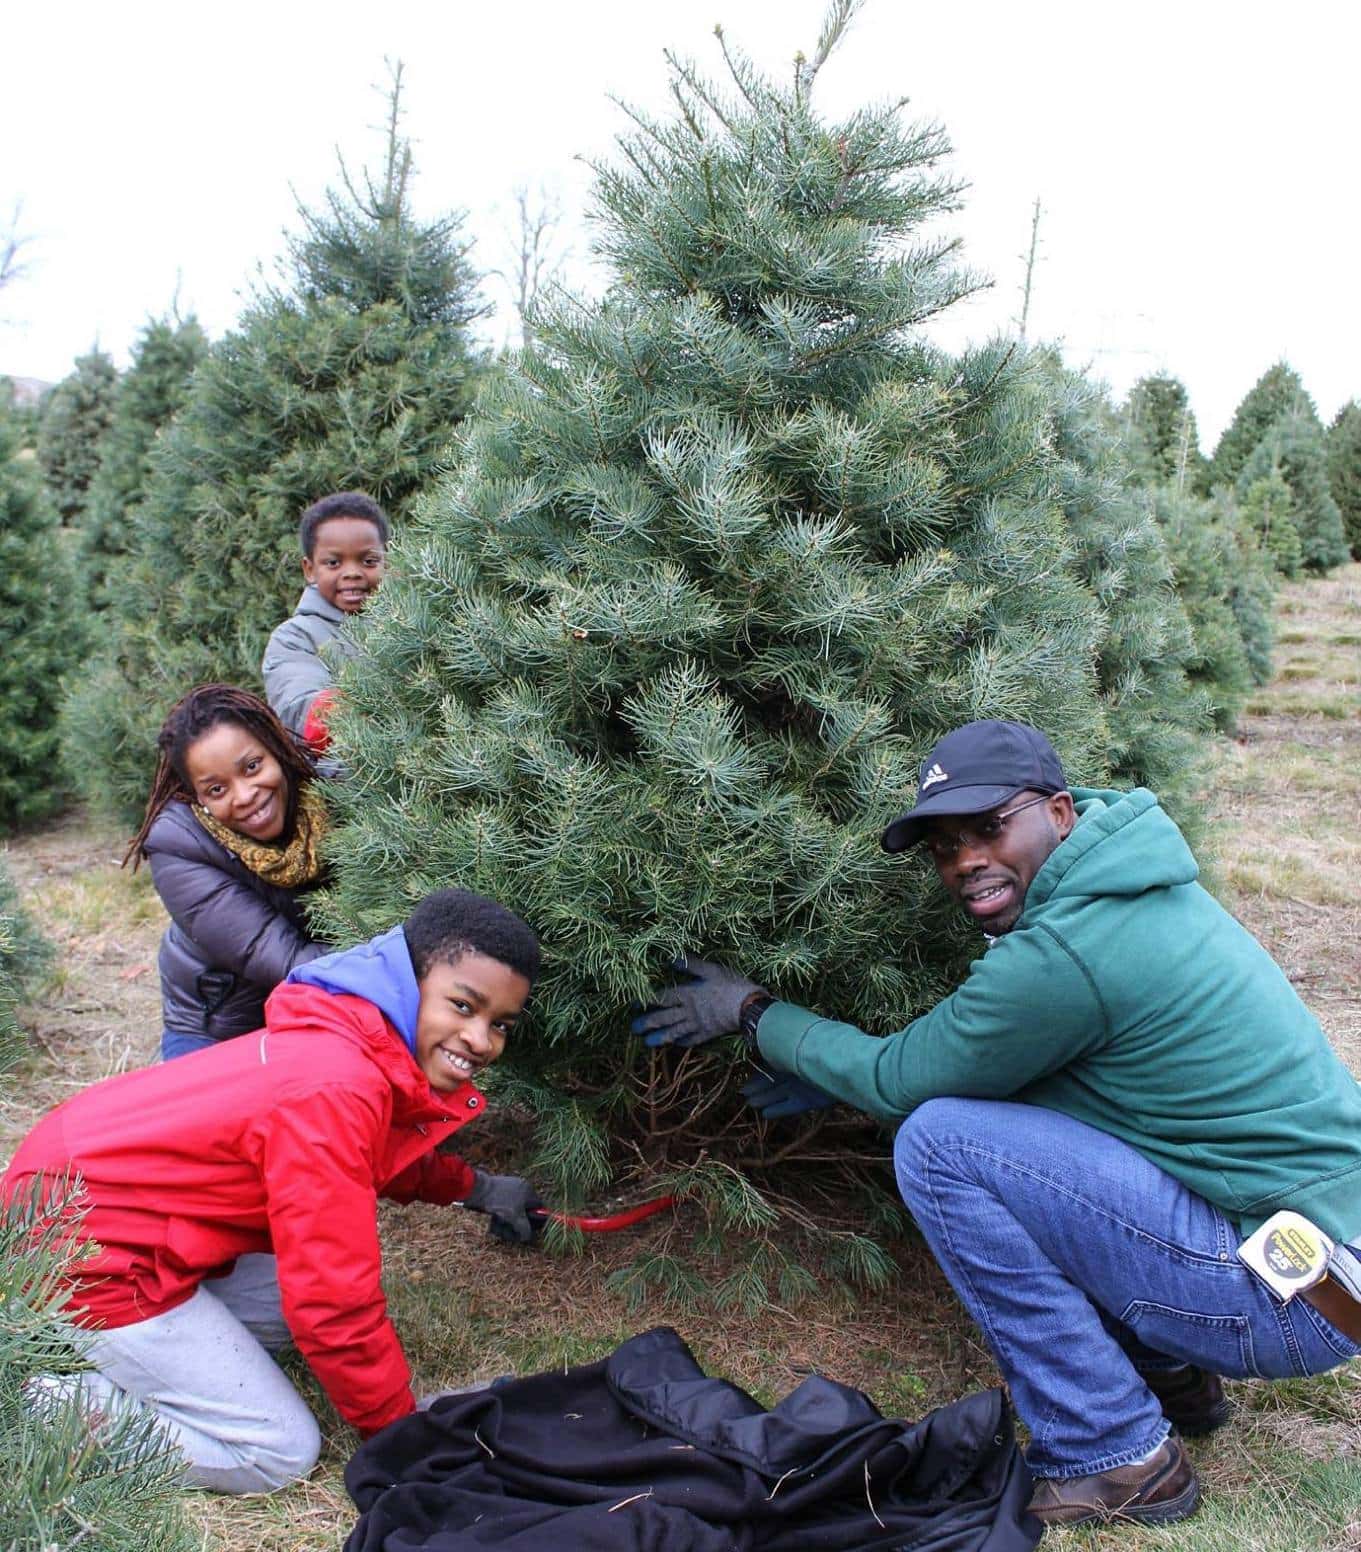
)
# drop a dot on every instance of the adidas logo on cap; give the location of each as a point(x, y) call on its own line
point(932, 776)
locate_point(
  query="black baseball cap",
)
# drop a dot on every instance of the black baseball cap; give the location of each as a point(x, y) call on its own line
point(975, 768)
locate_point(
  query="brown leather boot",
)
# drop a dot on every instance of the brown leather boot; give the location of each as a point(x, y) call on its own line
point(1192, 1400)
point(1153, 1492)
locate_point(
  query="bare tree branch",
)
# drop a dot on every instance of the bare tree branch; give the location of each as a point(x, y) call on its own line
point(12, 267)
point(1030, 260)
point(537, 255)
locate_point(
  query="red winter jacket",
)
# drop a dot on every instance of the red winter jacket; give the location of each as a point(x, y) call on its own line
point(280, 1141)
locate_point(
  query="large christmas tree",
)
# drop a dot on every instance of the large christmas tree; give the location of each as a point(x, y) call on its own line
point(39, 630)
point(718, 560)
point(149, 392)
point(351, 375)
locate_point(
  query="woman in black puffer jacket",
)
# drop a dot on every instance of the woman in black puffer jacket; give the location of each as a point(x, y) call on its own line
point(232, 832)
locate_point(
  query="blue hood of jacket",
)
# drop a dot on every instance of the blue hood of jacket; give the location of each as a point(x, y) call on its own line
point(380, 971)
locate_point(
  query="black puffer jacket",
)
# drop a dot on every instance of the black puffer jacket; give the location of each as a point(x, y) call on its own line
point(232, 937)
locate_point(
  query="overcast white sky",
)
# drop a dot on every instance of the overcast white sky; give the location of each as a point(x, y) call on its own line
point(1197, 161)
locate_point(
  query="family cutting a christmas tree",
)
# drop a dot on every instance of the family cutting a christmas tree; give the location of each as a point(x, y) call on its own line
point(1122, 1090)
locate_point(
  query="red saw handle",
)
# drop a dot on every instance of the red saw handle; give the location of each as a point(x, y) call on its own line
point(607, 1225)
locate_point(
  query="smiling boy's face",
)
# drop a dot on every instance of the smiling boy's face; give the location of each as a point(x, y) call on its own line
point(467, 1010)
point(347, 562)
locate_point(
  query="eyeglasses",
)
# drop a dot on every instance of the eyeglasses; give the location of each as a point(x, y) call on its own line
point(944, 845)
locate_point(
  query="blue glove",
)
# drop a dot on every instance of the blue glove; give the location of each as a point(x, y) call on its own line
point(697, 1010)
point(778, 1094)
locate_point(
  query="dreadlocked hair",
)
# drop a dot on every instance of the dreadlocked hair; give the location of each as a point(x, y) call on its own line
point(205, 707)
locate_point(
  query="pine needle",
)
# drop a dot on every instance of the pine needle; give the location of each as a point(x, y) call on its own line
point(870, 1501)
point(624, 1502)
point(780, 1483)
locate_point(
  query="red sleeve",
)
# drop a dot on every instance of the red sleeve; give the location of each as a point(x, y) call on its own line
point(316, 1156)
point(434, 1177)
point(316, 733)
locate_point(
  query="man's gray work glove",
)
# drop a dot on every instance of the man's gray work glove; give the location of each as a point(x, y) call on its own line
point(700, 1009)
point(511, 1204)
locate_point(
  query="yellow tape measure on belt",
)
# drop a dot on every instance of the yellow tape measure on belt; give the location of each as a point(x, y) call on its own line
point(1288, 1253)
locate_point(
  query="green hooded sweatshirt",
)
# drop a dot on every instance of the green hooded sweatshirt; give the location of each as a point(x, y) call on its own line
point(1125, 996)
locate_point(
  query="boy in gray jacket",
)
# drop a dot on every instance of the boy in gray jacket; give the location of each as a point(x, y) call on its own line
point(344, 553)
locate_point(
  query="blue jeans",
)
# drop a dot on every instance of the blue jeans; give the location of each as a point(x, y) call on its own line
point(175, 1044)
point(1083, 1264)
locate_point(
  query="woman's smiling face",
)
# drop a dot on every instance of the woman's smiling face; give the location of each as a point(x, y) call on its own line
point(238, 781)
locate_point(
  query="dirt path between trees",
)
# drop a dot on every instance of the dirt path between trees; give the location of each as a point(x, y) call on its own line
point(1285, 849)
point(1285, 811)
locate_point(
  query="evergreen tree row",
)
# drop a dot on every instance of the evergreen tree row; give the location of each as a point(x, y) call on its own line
point(1274, 459)
point(1265, 505)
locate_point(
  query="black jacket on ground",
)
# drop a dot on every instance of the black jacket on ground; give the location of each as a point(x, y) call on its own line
point(232, 937)
point(643, 1453)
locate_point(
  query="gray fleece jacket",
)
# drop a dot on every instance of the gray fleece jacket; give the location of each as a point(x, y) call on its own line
point(296, 669)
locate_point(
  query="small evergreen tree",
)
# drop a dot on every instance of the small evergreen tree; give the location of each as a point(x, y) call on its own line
point(1252, 588)
point(24, 959)
point(1268, 508)
point(1279, 391)
point(76, 415)
point(39, 637)
point(718, 559)
point(1161, 436)
point(25, 414)
point(1344, 471)
point(149, 393)
point(1295, 446)
point(351, 374)
point(1224, 584)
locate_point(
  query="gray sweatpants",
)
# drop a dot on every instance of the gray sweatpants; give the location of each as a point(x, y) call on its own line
point(204, 1369)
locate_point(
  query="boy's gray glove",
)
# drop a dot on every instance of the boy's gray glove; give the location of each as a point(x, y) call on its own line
point(510, 1202)
point(697, 1010)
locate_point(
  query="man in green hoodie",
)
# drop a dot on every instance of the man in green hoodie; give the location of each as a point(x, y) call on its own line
point(1124, 1086)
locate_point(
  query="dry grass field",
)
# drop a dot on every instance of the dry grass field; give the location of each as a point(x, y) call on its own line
point(1285, 855)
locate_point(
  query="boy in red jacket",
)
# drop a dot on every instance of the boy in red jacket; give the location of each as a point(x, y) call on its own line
point(230, 1198)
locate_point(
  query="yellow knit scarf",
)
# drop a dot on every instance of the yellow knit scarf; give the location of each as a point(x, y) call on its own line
point(286, 867)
